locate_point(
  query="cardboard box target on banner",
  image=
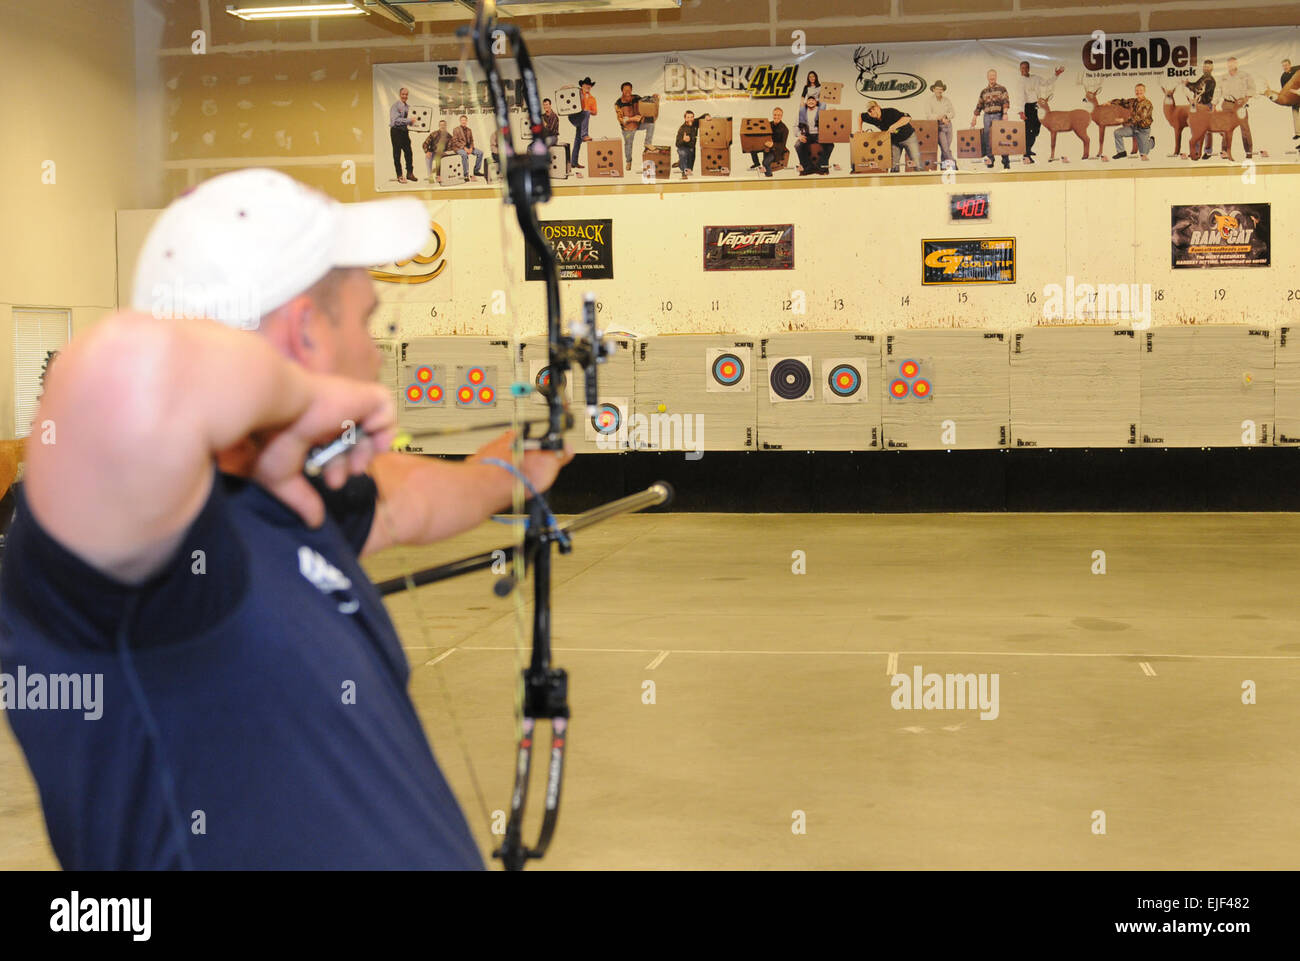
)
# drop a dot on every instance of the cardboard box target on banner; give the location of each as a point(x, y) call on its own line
point(660, 158)
point(870, 152)
point(831, 92)
point(835, 126)
point(451, 171)
point(716, 161)
point(420, 118)
point(927, 135)
point(1007, 137)
point(755, 132)
point(568, 100)
point(715, 132)
point(605, 158)
point(968, 144)
point(560, 161)
point(649, 108)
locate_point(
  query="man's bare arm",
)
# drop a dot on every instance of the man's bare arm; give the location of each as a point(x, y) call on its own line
point(140, 406)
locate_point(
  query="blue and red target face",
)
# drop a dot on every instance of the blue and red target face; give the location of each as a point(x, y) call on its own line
point(424, 390)
point(844, 380)
point(728, 370)
point(607, 419)
point(909, 382)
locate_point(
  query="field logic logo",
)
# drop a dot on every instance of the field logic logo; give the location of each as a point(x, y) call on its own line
point(874, 84)
point(762, 81)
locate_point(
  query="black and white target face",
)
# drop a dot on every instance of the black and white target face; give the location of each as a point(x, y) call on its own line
point(790, 378)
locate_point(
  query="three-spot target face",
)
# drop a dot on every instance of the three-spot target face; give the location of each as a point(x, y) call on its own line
point(728, 370)
point(921, 388)
point(607, 419)
point(909, 369)
point(465, 395)
point(415, 393)
point(844, 380)
point(909, 382)
point(898, 388)
point(434, 393)
point(475, 375)
point(422, 385)
point(790, 379)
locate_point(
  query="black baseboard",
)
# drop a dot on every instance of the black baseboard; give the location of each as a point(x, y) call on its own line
point(1143, 479)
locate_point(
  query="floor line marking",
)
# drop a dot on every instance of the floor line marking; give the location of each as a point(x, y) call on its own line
point(891, 665)
point(1147, 669)
point(923, 653)
point(441, 657)
point(657, 661)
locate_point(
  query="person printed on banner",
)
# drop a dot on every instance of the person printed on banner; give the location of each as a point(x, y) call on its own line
point(994, 103)
point(1236, 89)
point(942, 110)
point(399, 132)
point(1030, 90)
point(629, 118)
point(902, 135)
point(581, 120)
point(550, 125)
point(688, 135)
point(775, 150)
point(814, 156)
point(1288, 72)
point(436, 146)
point(1202, 91)
point(462, 142)
point(812, 86)
point(1139, 125)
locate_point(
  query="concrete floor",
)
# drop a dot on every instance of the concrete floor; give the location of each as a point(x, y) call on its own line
point(1118, 692)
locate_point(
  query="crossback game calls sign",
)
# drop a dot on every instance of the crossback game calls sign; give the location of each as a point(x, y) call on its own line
point(766, 247)
point(971, 260)
point(584, 250)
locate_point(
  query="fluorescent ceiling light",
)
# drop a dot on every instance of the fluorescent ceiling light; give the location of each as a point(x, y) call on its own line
point(297, 11)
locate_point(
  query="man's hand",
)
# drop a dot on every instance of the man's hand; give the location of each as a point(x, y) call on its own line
point(1060, 70)
point(336, 402)
point(1022, 115)
point(540, 466)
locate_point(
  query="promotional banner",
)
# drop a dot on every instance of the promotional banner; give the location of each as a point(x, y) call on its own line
point(749, 248)
point(970, 260)
point(584, 250)
point(1132, 101)
point(1220, 235)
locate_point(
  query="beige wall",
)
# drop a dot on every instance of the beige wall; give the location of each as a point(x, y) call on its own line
point(69, 97)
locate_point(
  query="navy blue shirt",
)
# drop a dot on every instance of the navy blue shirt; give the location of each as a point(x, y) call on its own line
point(254, 714)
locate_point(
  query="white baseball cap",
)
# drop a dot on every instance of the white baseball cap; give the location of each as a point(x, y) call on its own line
point(240, 245)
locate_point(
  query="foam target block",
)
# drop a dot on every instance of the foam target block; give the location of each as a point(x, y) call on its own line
point(648, 107)
point(388, 365)
point(568, 99)
point(1286, 388)
point(1207, 386)
point(968, 143)
point(945, 389)
point(715, 161)
point(694, 392)
point(1007, 137)
point(870, 152)
point(660, 158)
point(832, 92)
point(560, 161)
point(450, 362)
point(605, 158)
point(844, 412)
point(419, 118)
point(715, 132)
point(927, 135)
point(615, 382)
point(1075, 387)
point(451, 171)
point(755, 132)
point(835, 126)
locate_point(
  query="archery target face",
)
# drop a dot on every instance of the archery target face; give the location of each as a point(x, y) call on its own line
point(423, 384)
point(607, 427)
point(568, 100)
point(539, 373)
point(727, 369)
point(789, 379)
point(844, 380)
point(420, 117)
point(476, 385)
point(909, 379)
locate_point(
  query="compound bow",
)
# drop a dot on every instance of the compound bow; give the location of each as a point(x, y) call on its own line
point(543, 692)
